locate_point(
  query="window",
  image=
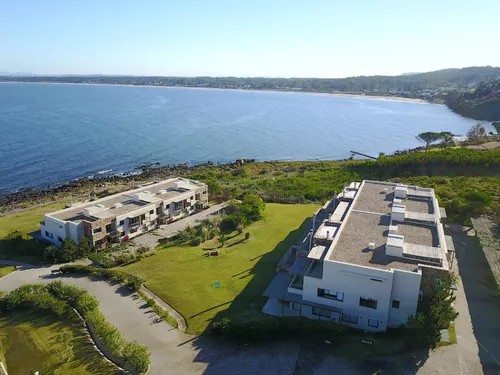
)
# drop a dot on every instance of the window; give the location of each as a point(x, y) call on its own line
point(331, 294)
point(143, 217)
point(121, 222)
point(352, 319)
point(167, 206)
point(151, 212)
point(158, 210)
point(192, 198)
point(372, 323)
point(97, 230)
point(48, 234)
point(321, 312)
point(109, 228)
point(295, 306)
point(122, 234)
point(368, 302)
point(395, 304)
point(59, 239)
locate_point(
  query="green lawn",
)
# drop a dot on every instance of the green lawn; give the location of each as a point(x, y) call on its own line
point(26, 250)
point(185, 278)
point(5, 270)
point(31, 341)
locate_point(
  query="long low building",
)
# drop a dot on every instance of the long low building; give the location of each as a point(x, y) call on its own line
point(122, 216)
point(371, 254)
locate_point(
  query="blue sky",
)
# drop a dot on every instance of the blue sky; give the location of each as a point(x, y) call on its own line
point(247, 38)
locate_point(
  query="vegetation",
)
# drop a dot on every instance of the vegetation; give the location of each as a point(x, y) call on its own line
point(255, 327)
point(435, 312)
point(131, 281)
point(14, 243)
point(482, 102)
point(5, 270)
point(60, 300)
point(33, 341)
point(174, 270)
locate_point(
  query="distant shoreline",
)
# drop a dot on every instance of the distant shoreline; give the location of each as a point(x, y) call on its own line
point(360, 96)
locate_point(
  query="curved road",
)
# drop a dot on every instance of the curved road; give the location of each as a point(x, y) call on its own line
point(172, 352)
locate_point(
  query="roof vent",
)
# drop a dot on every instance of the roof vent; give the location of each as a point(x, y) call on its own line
point(371, 245)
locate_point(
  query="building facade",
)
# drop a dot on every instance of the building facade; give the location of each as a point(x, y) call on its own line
point(372, 252)
point(122, 216)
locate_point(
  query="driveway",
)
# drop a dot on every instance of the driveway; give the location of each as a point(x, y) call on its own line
point(172, 352)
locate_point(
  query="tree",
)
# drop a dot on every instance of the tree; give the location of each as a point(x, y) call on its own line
point(436, 311)
point(84, 247)
point(252, 208)
point(447, 139)
point(222, 238)
point(476, 132)
point(496, 125)
point(428, 138)
point(67, 252)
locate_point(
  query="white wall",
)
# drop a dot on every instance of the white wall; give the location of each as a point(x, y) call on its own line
point(406, 289)
point(355, 282)
point(75, 231)
point(56, 227)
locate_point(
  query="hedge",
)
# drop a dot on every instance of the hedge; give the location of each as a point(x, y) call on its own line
point(131, 281)
point(264, 328)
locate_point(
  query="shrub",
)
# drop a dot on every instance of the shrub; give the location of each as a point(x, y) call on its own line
point(195, 241)
point(247, 235)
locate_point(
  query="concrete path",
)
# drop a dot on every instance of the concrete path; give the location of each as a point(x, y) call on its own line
point(150, 239)
point(172, 352)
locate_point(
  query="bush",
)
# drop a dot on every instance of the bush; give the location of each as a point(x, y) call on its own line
point(269, 328)
point(131, 281)
point(247, 235)
point(195, 241)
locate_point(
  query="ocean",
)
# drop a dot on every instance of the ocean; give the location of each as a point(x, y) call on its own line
point(53, 133)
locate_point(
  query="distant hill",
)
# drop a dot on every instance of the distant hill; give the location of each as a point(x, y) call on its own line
point(444, 86)
point(482, 102)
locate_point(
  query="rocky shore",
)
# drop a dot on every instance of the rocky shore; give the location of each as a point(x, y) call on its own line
point(97, 186)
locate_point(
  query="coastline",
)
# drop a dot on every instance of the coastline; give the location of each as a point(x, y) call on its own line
point(339, 94)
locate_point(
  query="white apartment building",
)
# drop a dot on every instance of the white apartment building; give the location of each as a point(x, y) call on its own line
point(122, 216)
point(371, 253)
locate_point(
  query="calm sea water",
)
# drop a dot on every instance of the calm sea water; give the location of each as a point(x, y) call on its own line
point(54, 133)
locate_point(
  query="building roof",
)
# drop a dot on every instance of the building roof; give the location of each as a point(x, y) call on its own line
point(129, 201)
point(368, 220)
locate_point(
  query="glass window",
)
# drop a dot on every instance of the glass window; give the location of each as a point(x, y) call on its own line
point(373, 323)
point(331, 294)
point(352, 319)
point(368, 302)
point(97, 230)
point(59, 239)
point(395, 304)
point(151, 212)
point(121, 222)
point(321, 312)
point(295, 306)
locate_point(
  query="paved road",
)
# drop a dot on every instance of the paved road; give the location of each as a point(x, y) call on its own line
point(172, 352)
point(150, 239)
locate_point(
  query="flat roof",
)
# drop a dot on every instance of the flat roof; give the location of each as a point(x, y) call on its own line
point(358, 231)
point(368, 220)
point(123, 203)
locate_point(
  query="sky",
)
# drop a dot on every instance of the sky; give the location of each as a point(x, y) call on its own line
point(265, 38)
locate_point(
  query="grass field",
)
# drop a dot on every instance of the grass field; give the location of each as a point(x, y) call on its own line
point(185, 278)
point(5, 270)
point(24, 222)
point(31, 341)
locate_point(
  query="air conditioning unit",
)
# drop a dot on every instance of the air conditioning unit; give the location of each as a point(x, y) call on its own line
point(371, 246)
